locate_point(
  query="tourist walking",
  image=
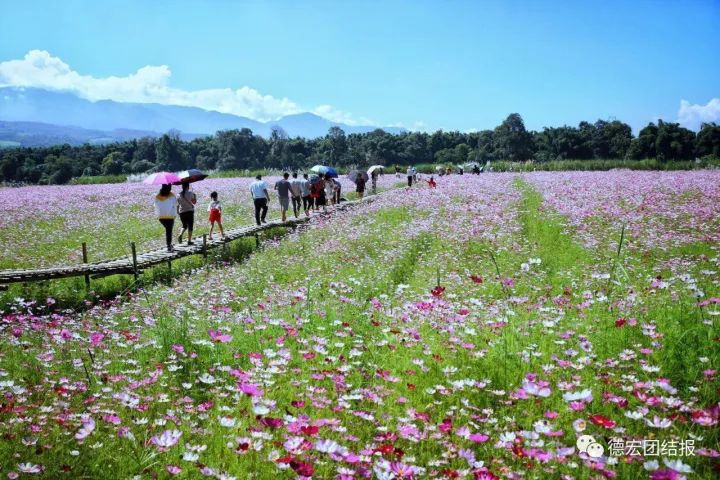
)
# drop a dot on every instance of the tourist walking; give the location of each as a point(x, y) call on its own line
point(215, 214)
point(317, 193)
point(296, 193)
point(283, 188)
point(360, 186)
point(305, 191)
point(373, 179)
point(410, 176)
point(329, 191)
point(260, 195)
point(337, 191)
point(186, 201)
point(165, 210)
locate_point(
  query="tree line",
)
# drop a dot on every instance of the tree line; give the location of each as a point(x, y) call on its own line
point(241, 149)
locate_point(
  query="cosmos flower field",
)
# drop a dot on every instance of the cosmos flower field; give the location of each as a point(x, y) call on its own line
point(477, 331)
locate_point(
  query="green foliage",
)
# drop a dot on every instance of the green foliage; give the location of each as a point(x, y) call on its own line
point(241, 150)
point(608, 164)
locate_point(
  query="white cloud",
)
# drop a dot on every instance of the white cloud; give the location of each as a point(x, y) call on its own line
point(693, 115)
point(151, 84)
point(329, 112)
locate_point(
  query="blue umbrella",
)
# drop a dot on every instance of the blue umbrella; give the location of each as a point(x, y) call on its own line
point(331, 173)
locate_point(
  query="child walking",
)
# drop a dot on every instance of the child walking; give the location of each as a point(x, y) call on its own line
point(215, 209)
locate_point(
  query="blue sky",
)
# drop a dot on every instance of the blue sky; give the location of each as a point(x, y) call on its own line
point(453, 64)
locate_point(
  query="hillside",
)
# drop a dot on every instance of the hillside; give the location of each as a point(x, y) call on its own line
point(37, 117)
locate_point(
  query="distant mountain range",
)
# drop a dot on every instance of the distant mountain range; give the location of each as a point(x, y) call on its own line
point(37, 117)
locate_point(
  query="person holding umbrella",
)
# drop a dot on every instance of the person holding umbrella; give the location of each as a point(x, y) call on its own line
point(165, 205)
point(186, 201)
point(260, 195)
point(359, 178)
point(360, 186)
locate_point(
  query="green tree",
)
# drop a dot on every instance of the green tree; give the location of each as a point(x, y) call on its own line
point(112, 164)
point(335, 146)
point(168, 153)
point(707, 141)
point(512, 140)
point(674, 142)
point(277, 154)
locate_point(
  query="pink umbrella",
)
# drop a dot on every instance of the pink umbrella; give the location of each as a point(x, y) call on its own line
point(161, 178)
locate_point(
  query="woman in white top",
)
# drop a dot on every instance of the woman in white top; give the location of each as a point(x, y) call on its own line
point(329, 190)
point(166, 209)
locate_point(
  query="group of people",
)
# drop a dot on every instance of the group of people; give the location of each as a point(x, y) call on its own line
point(303, 193)
point(168, 206)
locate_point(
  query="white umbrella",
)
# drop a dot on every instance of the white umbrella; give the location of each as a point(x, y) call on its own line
point(375, 167)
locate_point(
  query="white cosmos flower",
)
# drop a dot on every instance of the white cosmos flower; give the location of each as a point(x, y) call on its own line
point(260, 409)
point(584, 395)
point(227, 421)
point(507, 437)
point(327, 446)
point(677, 465)
point(658, 422)
point(29, 468)
point(635, 415)
point(190, 456)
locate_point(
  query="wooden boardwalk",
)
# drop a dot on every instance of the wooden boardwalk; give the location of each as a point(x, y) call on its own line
point(134, 264)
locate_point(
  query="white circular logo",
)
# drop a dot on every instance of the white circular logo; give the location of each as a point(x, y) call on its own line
point(587, 444)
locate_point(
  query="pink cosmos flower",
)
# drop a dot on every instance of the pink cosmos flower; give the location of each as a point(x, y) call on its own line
point(218, 337)
point(250, 389)
point(173, 469)
point(86, 429)
point(538, 389)
point(478, 437)
point(96, 338)
point(665, 474)
point(166, 440)
point(402, 470)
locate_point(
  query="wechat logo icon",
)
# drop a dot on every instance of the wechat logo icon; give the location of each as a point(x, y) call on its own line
point(587, 444)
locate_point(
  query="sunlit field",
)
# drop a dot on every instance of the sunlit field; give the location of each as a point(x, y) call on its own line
point(479, 330)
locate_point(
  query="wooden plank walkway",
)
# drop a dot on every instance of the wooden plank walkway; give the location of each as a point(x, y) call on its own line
point(125, 265)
